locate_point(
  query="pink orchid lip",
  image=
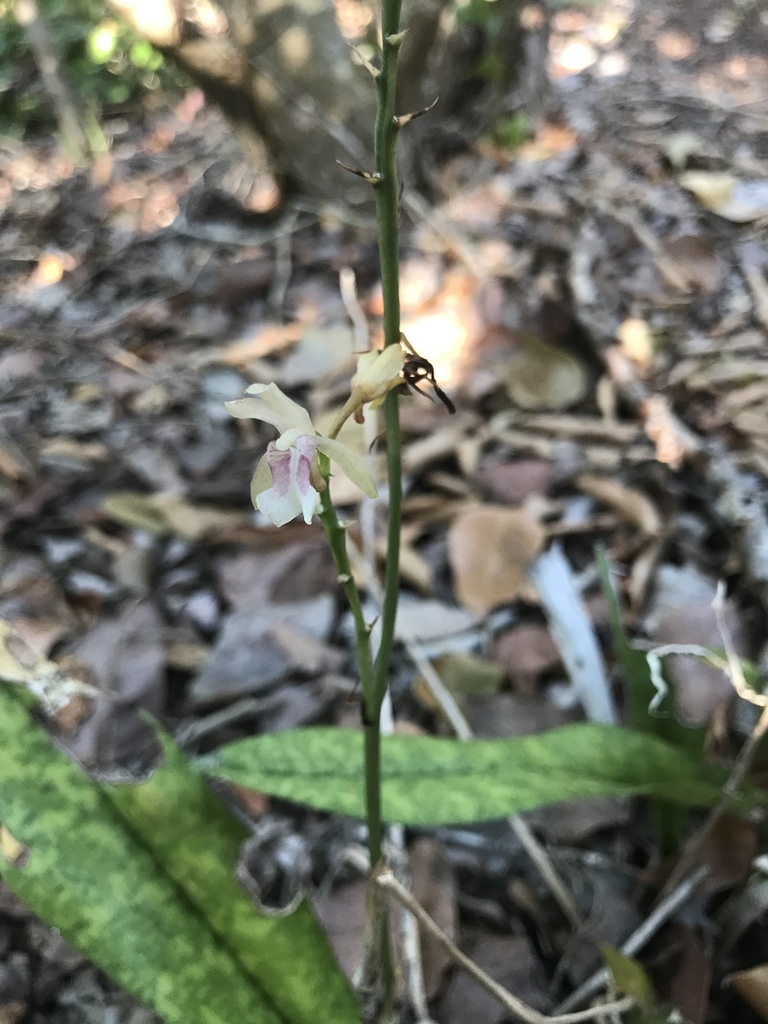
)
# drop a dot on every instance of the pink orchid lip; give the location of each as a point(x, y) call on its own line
point(291, 493)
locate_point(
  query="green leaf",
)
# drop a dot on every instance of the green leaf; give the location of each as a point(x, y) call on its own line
point(637, 675)
point(671, 821)
point(431, 781)
point(197, 840)
point(629, 975)
point(69, 857)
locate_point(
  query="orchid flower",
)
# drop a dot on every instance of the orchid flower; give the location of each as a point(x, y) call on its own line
point(377, 374)
point(288, 480)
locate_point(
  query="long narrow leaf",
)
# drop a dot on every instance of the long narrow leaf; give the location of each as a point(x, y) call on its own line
point(641, 692)
point(430, 781)
point(197, 840)
point(671, 820)
point(69, 857)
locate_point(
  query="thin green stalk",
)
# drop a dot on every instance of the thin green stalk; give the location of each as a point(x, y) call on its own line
point(380, 962)
point(392, 568)
point(387, 196)
point(337, 542)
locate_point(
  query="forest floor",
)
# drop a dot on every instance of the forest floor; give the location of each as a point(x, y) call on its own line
point(594, 302)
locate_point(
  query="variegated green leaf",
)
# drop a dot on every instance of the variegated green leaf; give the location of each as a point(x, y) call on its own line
point(431, 781)
point(66, 853)
point(197, 840)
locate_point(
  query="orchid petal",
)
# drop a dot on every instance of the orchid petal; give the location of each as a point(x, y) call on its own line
point(267, 402)
point(377, 373)
point(262, 480)
point(352, 465)
point(291, 493)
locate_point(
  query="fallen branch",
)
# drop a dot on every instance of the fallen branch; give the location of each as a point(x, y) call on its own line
point(387, 881)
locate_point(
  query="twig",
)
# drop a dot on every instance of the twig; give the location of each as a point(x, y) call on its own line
point(283, 263)
point(348, 290)
point(637, 939)
point(387, 881)
point(745, 756)
point(73, 136)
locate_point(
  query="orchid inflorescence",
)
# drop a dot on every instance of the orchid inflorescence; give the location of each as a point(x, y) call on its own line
point(288, 479)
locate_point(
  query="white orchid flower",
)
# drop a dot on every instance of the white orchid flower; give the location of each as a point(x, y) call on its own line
point(377, 374)
point(287, 480)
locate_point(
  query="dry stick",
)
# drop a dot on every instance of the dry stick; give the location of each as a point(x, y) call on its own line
point(387, 881)
point(745, 756)
point(283, 264)
point(72, 134)
point(637, 939)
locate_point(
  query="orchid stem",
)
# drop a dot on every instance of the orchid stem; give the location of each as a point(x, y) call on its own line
point(387, 195)
point(337, 542)
point(374, 675)
point(379, 965)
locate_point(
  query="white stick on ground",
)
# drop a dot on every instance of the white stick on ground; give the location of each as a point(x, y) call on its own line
point(637, 939)
point(387, 881)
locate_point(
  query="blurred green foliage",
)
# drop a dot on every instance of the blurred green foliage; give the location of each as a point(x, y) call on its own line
point(106, 64)
point(511, 132)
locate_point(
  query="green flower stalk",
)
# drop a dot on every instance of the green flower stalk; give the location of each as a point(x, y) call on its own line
point(292, 479)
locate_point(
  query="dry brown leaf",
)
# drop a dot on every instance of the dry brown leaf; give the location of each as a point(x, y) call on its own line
point(419, 454)
point(634, 336)
point(193, 522)
point(434, 888)
point(727, 850)
point(342, 914)
point(682, 613)
point(36, 610)
point(751, 422)
point(501, 715)
point(266, 341)
point(490, 549)
point(527, 652)
point(727, 196)
point(679, 147)
point(415, 569)
point(13, 1013)
point(319, 352)
point(695, 261)
point(689, 986)
point(68, 448)
point(550, 140)
point(513, 482)
point(13, 465)
point(186, 656)
point(672, 438)
point(756, 281)
point(752, 986)
point(464, 675)
point(541, 376)
point(512, 962)
point(641, 573)
point(170, 513)
point(631, 504)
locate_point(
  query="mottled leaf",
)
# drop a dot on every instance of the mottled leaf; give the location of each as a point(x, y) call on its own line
point(432, 781)
point(80, 869)
point(197, 840)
